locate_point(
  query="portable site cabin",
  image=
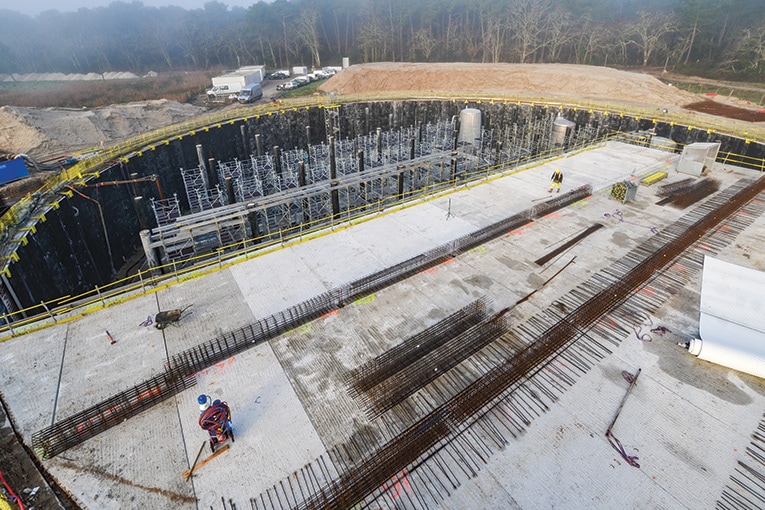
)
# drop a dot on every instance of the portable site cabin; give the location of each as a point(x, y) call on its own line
point(258, 70)
point(300, 70)
point(234, 81)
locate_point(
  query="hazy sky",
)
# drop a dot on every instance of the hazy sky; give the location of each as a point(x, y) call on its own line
point(35, 7)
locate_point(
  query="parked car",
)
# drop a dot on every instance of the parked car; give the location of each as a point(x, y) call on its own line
point(317, 75)
point(279, 75)
point(301, 80)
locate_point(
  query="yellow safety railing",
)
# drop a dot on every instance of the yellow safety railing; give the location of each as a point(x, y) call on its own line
point(151, 280)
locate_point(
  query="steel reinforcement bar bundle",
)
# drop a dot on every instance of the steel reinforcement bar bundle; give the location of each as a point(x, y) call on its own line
point(376, 370)
point(180, 374)
point(411, 447)
point(420, 370)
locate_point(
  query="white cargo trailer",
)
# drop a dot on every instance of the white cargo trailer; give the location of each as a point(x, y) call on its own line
point(260, 71)
point(230, 84)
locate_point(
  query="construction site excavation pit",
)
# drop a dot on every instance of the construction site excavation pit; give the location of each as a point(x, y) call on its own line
point(248, 183)
point(398, 310)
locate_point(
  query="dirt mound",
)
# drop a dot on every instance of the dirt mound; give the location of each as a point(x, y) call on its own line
point(523, 80)
point(46, 132)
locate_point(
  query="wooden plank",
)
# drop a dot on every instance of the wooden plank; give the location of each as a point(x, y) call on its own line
point(196, 459)
point(188, 473)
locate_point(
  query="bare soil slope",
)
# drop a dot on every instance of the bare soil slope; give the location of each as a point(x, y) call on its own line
point(45, 132)
point(524, 80)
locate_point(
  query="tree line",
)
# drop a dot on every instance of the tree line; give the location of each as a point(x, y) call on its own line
point(720, 37)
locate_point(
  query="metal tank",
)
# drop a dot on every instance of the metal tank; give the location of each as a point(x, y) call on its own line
point(470, 126)
point(561, 130)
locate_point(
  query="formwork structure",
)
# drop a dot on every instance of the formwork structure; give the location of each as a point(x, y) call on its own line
point(281, 193)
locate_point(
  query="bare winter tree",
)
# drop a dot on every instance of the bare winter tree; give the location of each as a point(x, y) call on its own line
point(308, 33)
point(239, 44)
point(559, 33)
point(469, 38)
point(649, 30)
point(373, 39)
point(617, 46)
point(161, 39)
point(450, 34)
point(424, 42)
point(747, 53)
point(527, 21)
point(591, 41)
point(493, 35)
point(692, 13)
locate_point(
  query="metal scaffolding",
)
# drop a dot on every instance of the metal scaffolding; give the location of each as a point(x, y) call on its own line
point(287, 192)
point(167, 210)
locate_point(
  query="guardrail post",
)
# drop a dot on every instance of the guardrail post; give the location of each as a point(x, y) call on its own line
point(10, 326)
point(48, 310)
point(98, 291)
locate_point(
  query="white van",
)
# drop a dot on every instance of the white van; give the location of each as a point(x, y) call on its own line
point(250, 93)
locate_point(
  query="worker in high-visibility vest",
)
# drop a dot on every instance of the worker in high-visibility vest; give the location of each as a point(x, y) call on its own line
point(556, 180)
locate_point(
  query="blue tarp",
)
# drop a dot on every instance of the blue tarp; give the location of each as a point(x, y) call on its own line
point(12, 170)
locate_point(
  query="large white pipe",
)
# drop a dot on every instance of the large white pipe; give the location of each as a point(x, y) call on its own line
point(730, 356)
point(732, 319)
point(470, 126)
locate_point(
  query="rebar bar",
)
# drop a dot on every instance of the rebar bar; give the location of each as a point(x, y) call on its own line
point(427, 367)
point(667, 189)
point(541, 261)
point(380, 368)
point(689, 194)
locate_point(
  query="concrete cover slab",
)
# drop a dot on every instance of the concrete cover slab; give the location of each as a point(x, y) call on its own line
point(687, 420)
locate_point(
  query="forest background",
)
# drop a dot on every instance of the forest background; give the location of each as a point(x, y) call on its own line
point(713, 38)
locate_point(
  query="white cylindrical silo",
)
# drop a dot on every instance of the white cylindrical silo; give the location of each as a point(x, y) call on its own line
point(470, 126)
point(562, 127)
